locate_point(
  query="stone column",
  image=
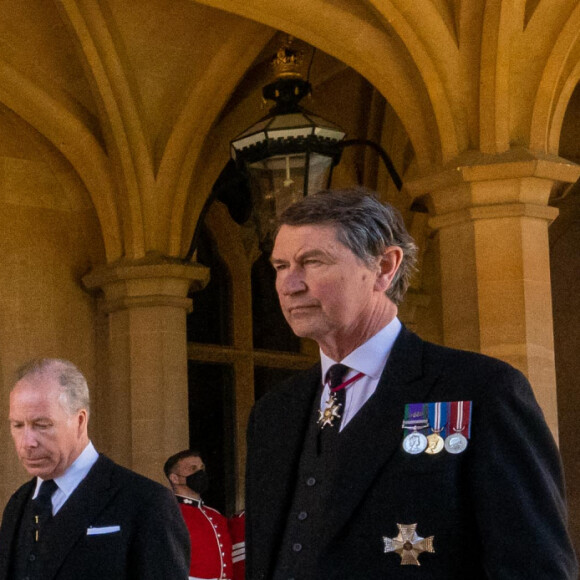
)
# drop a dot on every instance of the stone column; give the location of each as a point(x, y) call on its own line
point(146, 403)
point(492, 216)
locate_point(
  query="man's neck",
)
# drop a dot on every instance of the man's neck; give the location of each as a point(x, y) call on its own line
point(339, 345)
point(184, 491)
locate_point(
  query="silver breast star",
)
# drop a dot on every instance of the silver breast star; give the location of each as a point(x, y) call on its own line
point(408, 544)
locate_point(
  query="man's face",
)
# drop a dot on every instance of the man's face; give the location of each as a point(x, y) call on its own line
point(47, 438)
point(324, 289)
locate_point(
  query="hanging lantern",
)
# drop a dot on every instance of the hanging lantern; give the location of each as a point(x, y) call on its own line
point(290, 152)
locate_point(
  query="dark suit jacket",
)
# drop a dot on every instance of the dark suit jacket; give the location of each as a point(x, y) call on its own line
point(496, 511)
point(153, 542)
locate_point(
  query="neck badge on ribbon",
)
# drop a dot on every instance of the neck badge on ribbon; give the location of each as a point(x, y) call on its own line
point(327, 415)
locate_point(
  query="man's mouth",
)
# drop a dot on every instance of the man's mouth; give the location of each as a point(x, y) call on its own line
point(33, 461)
point(301, 308)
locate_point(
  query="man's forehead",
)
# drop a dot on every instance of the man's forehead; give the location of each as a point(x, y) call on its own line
point(33, 405)
point(305, 238)
point(324, 229)
point(39, 386)
point(36, 395)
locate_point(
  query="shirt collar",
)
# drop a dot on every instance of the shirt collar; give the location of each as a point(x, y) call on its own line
point(188, 500)
point(79, 469)
point(370, 357)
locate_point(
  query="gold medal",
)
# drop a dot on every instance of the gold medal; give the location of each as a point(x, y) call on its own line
point(435, 444)
point(330, 412)
point(438, 420)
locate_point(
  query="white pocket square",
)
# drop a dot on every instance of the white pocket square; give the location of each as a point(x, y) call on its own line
point(104, 530)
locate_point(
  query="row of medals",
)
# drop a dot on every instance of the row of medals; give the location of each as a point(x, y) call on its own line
point(415, 443)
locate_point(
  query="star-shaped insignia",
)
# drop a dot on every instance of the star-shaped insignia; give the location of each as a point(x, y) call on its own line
point(330, 413)
point(408, 544)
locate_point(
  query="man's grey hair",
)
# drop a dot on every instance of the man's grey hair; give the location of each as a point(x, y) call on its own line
point(363, 224)
point(74, 389)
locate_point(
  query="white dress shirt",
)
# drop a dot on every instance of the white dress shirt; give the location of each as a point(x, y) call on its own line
point(71, 478)
point(369, 358)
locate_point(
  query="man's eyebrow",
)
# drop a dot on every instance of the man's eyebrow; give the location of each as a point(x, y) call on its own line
point(301, 256)
point(315, 252)
point(33, 420)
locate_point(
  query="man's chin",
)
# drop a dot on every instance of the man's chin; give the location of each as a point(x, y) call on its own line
point(38, 468)
point(303, 330)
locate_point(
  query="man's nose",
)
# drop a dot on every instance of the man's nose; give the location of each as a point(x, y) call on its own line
point(291, 282)
point(28, 439)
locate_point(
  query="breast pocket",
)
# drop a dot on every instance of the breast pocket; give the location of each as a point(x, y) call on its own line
point(101, 553)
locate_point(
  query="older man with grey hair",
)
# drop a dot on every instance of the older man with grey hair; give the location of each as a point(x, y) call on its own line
point(82, 515)
point(392, 453)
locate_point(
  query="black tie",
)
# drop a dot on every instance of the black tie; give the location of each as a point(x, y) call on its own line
point(329, 419)
point(335, 377)
point(42, 504)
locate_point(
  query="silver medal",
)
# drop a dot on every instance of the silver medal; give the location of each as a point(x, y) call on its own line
point(415, 443)
point(455, 443)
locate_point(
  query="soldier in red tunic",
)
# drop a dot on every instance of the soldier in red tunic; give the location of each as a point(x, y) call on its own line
point(237, 526)
point(211, 546)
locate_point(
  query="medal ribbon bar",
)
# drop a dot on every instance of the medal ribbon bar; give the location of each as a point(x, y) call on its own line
point(438, 418)
point(460, 418)
point(416, 417)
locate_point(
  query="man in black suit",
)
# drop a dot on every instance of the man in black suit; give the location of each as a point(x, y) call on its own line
point(82, 516)
point(410, 460)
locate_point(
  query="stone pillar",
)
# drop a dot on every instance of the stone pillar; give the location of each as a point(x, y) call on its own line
point(492, 216)
point(146, 403)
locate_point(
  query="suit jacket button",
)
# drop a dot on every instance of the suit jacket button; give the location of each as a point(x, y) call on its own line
point(296, 547)
point(302, 516)
point(311, 481)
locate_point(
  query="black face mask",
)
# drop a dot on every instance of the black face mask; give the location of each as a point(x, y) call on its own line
point(198, 481)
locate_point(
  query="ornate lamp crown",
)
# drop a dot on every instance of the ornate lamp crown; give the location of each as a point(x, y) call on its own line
point(289, 152)
point(287, 61)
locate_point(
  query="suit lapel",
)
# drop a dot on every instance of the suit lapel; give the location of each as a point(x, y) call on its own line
point(78, 513)
point(12, 517)
point(376, 432)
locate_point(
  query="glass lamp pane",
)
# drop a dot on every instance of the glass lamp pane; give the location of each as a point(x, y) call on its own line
point(319, 172)
point(278, 182)
point(290, 121)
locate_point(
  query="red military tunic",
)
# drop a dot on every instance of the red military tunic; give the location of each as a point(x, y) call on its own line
point(237, 525)
point(211, 546)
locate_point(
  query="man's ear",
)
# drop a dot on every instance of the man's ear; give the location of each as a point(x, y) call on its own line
point(82, 419)
point(173, 478)
point(388, 265)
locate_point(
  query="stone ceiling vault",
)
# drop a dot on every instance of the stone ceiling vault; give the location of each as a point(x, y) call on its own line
point(130, 91)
